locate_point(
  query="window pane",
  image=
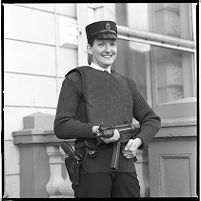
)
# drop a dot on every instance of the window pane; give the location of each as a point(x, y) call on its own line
point(174, 74)
point(172, 19)
point(133, 61)
point(171, 72)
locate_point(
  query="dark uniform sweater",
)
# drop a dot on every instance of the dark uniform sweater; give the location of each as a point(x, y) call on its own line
point(68, 125)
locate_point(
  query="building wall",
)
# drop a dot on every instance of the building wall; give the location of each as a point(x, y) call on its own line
point(38, 51)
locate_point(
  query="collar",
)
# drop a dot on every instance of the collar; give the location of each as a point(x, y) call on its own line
point(97, 67)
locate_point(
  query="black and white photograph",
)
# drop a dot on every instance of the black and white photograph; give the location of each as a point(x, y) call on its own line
point(99, 100)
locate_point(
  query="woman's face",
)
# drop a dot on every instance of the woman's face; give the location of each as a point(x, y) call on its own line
point(103, 52)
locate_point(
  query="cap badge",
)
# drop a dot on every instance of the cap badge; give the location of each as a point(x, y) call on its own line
point(108, 26)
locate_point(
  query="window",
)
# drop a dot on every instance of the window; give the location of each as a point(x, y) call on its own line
point(158, 52)
point(133, 61)
point(162, 18)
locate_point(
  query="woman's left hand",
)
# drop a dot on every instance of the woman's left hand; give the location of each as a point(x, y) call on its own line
point(132, 147)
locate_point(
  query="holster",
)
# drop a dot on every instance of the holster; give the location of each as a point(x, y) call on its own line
point(73, 161)
point(74, 158)
point(73, 168)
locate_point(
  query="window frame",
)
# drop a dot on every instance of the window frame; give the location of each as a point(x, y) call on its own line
point(174, 109)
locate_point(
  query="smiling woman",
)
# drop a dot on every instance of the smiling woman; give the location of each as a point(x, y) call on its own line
point(89, 96)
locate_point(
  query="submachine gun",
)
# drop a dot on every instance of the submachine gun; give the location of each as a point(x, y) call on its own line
point(126, 131)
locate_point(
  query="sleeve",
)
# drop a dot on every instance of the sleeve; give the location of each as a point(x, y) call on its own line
point(66, 125)
point(149, 121)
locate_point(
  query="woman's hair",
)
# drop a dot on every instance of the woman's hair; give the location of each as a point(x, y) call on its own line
point(89, 56)
point(91, 42)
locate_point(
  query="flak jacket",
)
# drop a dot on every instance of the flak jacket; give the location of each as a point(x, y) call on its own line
point(88, 97)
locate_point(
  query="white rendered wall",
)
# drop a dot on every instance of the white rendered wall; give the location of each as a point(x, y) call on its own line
point(35, 63)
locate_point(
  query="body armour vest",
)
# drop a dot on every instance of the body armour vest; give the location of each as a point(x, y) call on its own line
point(106, 98)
